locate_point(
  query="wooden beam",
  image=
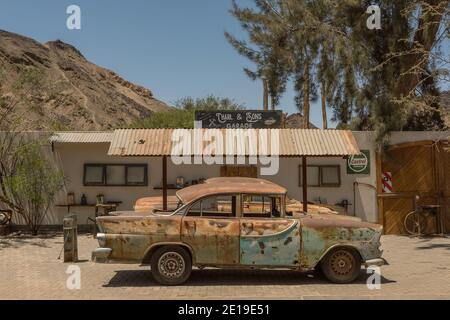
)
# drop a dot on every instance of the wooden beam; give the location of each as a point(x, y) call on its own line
point(164, 182)
point(411, 144)
point(304, 185)
point(380, 201)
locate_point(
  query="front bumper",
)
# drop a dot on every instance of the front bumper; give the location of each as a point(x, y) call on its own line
point(375, 262)
point(101, 255)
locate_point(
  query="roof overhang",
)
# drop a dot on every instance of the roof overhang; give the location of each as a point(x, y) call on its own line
point(234, 142)
point(82, 137)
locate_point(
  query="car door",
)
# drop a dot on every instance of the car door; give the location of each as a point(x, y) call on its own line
point(266, 237)
point(211, 228)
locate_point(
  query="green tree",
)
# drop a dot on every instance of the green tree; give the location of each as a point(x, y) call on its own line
point(381, 80)
point(28, 180)
point(183, 115)
point(267, 49)
point(31, 187)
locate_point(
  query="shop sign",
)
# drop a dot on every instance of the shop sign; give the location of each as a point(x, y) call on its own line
point(359, 164)
point(242, 119)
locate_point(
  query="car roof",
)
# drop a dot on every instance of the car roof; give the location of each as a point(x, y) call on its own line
point(229, 185)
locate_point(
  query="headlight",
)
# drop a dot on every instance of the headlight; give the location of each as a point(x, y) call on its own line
point(101, 237)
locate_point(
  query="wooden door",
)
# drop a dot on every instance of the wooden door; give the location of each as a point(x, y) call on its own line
point(444, 182)
point(239, 171)
point(414, 168)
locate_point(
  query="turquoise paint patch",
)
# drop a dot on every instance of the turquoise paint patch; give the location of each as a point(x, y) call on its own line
point(277, 250)
point(313, 245)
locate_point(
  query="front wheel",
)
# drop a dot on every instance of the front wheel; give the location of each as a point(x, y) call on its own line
point(171, 265)
point(341, 265)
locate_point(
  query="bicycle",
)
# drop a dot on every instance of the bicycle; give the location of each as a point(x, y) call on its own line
point(415, 221)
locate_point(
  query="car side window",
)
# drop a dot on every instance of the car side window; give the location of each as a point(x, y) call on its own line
point(261, 206)
point(221, 206)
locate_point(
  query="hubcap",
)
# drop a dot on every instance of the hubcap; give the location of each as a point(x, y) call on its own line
point(171, 265)
point(342, 262)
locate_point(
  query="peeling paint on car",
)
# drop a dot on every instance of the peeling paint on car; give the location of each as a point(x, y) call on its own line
point(271, 245)
point(298, 242)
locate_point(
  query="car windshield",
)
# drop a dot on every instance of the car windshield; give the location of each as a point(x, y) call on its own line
point(180, 210)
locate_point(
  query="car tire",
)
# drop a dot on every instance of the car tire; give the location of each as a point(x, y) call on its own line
point(341, 265)
point(171, 265)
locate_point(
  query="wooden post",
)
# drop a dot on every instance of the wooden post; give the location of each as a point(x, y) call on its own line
point(164, 182)
point(380, 200)
point(265, 95)
point(304, 185)
point(70, 238)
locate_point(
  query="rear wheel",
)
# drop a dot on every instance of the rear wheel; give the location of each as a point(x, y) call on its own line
point(414, 223)
point(171, 265)
point(341, 265)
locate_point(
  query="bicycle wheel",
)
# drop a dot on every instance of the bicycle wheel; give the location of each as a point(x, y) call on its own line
point(414, 223)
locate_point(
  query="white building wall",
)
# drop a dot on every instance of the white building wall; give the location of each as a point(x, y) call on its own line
point(71, 159)
point(362, 197)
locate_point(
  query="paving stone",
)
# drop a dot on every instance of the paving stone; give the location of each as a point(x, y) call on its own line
point(30, 269)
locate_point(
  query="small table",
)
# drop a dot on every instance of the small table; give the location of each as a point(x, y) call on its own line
point(107, 208)
point(68, 206)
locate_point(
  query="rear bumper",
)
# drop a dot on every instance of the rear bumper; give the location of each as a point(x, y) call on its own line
point(376, 262)
point(101, 255)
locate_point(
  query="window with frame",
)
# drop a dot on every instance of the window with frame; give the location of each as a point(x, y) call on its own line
point(321, 175)
point(261, 206)
point(220, 206)
point(330, 176)
point(115, 174)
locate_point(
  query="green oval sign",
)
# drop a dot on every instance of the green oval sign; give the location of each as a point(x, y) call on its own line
point(359, 164)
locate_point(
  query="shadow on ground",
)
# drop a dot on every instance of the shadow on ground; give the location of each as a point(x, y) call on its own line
point(434, 246)
point(17, 241)
point(214, 277)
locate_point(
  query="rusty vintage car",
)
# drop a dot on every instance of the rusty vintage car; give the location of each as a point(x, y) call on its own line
point(236, 223)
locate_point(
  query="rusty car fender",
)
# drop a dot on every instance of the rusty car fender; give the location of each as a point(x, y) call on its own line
point(320, 235)
point(339, 245)
point(154, 246)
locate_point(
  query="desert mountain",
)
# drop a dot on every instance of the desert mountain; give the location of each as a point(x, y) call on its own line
point(70, 92)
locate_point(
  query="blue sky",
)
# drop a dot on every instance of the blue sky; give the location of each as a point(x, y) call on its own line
point(174, 47)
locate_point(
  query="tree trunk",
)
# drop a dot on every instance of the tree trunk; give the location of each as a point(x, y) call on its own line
point(266, 95)
point(423, 40)
point(306, 89)
point(324, 108)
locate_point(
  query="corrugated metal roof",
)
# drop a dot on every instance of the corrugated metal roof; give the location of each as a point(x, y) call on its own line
point(291, 142)
point(82, 137)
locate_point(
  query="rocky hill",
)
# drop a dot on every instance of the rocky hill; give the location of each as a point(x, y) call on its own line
point(66, 91)
point(296, 121)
